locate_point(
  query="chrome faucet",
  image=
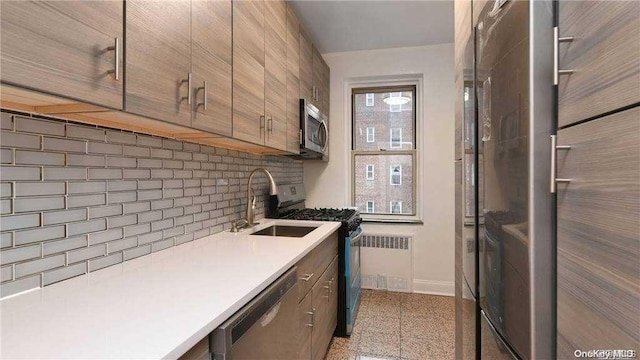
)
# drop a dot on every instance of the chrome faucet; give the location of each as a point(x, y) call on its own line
point(251, 201)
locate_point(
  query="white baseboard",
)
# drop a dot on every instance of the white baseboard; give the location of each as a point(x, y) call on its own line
point(431, 287)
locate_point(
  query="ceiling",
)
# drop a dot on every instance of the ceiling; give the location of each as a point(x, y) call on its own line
point(338, 26)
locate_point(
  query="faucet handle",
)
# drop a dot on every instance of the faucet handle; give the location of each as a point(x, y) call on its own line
point(238, 224)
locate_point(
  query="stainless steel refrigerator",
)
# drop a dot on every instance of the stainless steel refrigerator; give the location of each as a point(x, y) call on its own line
point(516, 244)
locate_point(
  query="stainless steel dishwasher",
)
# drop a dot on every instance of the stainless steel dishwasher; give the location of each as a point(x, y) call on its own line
point(266, 328)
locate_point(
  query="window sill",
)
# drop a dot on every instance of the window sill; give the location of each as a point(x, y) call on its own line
point(392, 222)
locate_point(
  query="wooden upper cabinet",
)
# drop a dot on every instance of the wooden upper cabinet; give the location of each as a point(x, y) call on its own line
point(159, 60)
point(64, 47)
point(605, 57)
point(248, 71)
point(306, 66)
point(293, 82)
point(275, 32)
point(211, 63)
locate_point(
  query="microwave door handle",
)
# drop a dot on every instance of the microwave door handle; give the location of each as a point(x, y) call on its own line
point(323, 125)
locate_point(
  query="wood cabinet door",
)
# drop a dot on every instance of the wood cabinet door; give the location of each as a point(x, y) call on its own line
point(275, 73)
point(63, 48)
point(605, 57)
point(306, 66)
point(158, 49)
point(320, 293)
point(248, 71)
point(332, 282)
point(325, 89)
point(293, 82)
point(598, 226)
point(211, 63)
point(305, 326)
point(318, 70)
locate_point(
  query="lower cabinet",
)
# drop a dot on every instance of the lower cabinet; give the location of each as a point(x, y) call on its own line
point(318, 310)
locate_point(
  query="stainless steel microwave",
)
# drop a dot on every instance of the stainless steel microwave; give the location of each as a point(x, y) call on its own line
point(314, 133)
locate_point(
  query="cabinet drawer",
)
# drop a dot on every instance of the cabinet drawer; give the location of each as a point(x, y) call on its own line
point(598, 245)
point(311, 267)
point(605, 57)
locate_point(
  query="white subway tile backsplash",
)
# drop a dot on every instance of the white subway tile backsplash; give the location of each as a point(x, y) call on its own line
point(14, 222)
point(20, 285)
point(63, 245)
point(107, 195)
point(38, 235)
point(40, 265)
point(64, 216)
point(6, 273)
point(90, 252)
point(67, 272)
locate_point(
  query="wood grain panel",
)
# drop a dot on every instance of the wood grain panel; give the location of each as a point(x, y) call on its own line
point(211, 62)
point(248, 70)
point(293, 82)
point(306, 65)
point(598, 241)
point(326, 88)
point(462, 31)
point(315, 262)
point(158, 49)
point(60, 47)
point(275, 20)
point(317, 77)
point(304, 330)
point(605, 55)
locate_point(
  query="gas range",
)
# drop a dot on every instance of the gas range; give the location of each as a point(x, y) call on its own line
point(288, 203)
point(349, 217)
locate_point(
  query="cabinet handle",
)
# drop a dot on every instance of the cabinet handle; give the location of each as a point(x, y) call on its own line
point(307, 277)
point(204, 97)
point(554, 148)
point(188, 81)
point(270, 124)
point(556, 55)
point(261, 124)
point(116, 55)
point(313, 316)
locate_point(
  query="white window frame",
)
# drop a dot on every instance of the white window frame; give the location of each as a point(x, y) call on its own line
point(370, 168)
point(370, 100)
point(373, 206)
point(391, 138)
point(372, 133)
point(416, 149)
point(391, 206)
point(395, 108)
point(391, 175)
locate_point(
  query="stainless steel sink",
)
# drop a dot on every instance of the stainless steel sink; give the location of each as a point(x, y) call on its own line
point(284, 230)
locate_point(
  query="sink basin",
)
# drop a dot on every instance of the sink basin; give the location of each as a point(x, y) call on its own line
point(284, 230)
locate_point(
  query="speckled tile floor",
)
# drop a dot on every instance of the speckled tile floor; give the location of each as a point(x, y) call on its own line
point(394, 326)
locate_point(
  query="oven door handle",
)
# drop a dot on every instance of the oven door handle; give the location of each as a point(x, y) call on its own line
point(357, 237)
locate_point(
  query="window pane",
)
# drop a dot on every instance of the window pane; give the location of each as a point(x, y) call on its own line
point(380, 118)
point(380, 190)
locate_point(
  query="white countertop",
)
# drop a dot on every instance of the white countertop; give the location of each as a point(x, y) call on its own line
point(153, 307)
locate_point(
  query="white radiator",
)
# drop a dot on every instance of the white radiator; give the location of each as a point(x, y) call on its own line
point(387, 262)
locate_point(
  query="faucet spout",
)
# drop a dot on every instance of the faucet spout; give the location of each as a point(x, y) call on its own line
point(251, 199)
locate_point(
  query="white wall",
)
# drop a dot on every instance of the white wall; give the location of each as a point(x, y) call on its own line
point(328, 185)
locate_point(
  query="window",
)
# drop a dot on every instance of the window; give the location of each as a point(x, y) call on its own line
point(395, 207)
point(371, 207)
point(370, 172)
point(369, 101)
point(398, 107)
point(395, 174)
point(382, 171)
point(395, 138)
point(371, 134)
